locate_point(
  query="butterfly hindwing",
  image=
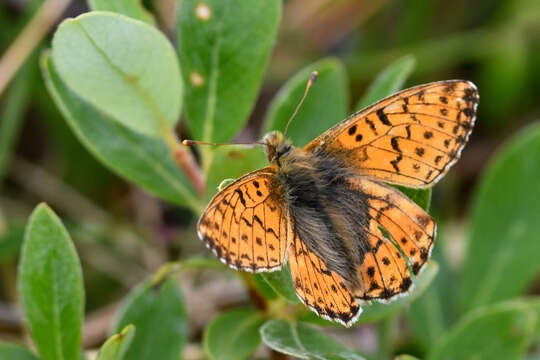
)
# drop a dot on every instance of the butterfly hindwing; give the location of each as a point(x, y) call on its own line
point(397, 228)
point(322, 290)
point(246, 223)
point(411, 138)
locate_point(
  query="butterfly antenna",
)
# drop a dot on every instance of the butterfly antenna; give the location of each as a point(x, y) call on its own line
point(194, 142)
point(311, 80)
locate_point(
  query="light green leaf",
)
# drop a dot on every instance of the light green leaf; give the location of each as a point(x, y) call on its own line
point(233, 335)
point(125, 68)
point(158, 313)
point(145, 161)
point(494, 332)
point(301, 341)
point(376, 311)
point(389, 81)
point(117, 345)
point(51, 286)
point(223, 68)
point(405, 357)
point(232, 162)
point(433, 313)
point(15, 352)
point(281, 282)
point(326, 104)
point(132, 8)
point(503, 247)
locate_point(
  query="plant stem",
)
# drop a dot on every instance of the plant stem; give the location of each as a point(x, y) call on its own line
point(44, 19)
point(185, 160)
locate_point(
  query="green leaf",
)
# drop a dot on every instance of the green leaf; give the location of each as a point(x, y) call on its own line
point(281, 282)
point(125, 68)
point(405, 357)
point(132, 8)
point(12, 113)
point(422, 197)
point(51, 286)
point(302, 341)
point(326, 105)
point(15, 352)
point(145, 161)
point(158, 313)
point(233, 335)
point(11, 240)
point(389, 81)
point(503, 247)
point(376, 311)
point(232, 162)
point(117, 345)
point(435, 310)
point(500, 331)
point(224, 67)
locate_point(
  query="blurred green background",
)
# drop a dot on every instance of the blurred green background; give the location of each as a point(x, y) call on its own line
point(123, 234)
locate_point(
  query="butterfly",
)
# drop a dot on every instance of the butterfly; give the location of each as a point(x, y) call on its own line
point(327, 209)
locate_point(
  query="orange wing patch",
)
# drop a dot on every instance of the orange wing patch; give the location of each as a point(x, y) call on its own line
point(410, 229)
point(245, 225)
point(411, 138)
point(320, 289)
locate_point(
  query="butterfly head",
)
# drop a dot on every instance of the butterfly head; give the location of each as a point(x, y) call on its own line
point(276, 146)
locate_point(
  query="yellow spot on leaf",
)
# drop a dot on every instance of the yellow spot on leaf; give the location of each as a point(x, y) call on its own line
point(196, 79)
point(203, 11)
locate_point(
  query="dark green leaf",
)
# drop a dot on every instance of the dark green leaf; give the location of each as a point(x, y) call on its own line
point(12, 113)
point(117, 345)
point(377, 311)
point(281, 282)
point(389, 81)
point(302, 341)
point(132, 8)
point(223, 68)
point(51, 286)
point(11, 240)
point(125, 68)
point(15, 352)
point(500, 331)
point(158, 313)
point(422, 197)
point(145, 161)
point(233, 335)
point(503, 247)
point(326, 105)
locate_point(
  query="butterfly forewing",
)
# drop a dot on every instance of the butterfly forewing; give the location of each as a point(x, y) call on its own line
point(245, 225)
point(411, 138)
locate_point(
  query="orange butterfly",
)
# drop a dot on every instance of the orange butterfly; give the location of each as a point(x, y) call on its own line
point(326, 207)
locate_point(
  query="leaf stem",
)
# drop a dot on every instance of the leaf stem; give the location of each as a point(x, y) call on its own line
point(185, 161)
point(29, 38)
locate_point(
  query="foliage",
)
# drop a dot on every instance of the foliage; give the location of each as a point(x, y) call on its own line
point(125, 92)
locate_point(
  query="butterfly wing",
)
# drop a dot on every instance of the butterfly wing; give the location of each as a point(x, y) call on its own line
point(321, 290)
point(410, 234)
point(411, 138)
point(245, 225)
